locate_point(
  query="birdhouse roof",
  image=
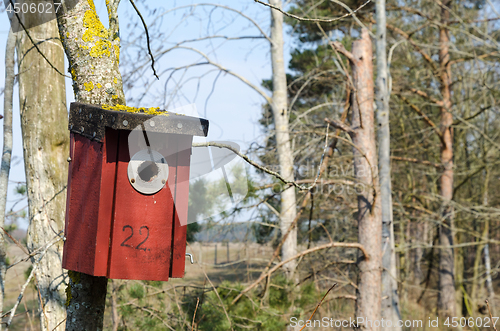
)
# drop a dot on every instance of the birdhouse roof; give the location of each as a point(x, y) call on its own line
point(91, 120)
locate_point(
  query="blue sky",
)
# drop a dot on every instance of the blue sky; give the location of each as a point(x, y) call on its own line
point(233, 108)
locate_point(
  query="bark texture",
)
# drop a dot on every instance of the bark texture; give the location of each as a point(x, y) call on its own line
point(44, 124)
point(390, 301)
point(279, 106)
point(7, 151)
point(368, 303)
point(446, 297)
point(93, 53)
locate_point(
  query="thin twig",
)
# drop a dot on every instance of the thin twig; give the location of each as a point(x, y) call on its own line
point(319, 304)
point(35, 266)
point(413, 160)
point(491, 316)
point(16, 242)
point(307, 251)
point(264, 169)
point(325, 159)
point(194, 315)
point(147, 38)
point(34, 44)
point(35, 252)
point(340, 125)
point(153, 314)
point(216, 293)
point(61, 322)
point(319, 20)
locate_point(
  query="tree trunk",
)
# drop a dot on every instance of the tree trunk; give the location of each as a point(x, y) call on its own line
point(93, 54)
point(489, 282)
point(368, 304)
point(44, 124)
point(7, 150)
point(115, 317)
point(285, 156)
point(390, 300)
point(446, 297)
point(485, 237)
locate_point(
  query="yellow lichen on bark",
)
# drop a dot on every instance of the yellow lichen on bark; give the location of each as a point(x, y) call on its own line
point(88, 86)
point(148, 111)
point(95, 29)
point(102, 47)
point(117, 50)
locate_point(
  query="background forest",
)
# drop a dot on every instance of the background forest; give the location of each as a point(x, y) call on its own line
point(329, 200)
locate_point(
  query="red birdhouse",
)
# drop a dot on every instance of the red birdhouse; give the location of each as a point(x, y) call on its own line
point(128, 187)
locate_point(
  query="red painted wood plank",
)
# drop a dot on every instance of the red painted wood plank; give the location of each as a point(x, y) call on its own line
point(89, 203)
point(142, 228)
point(107, 191)
point(83, 201)
point(181, 207)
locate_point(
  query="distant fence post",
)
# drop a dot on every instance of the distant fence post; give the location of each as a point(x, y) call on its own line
point(215, 256)
point(200, 257)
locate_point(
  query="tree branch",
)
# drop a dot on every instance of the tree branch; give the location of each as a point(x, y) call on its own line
point(32, 273)
point(307, 251)
point(218, 6)
point(341, 126)
point(35, 45)
point(413, 160)
point(425, 95)
point(318, 20)
point(147, 38)
point(414, 44)
point(341, 49)
point(424, 117)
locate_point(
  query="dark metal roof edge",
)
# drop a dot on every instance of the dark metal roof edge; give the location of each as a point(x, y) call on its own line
point(91, 120)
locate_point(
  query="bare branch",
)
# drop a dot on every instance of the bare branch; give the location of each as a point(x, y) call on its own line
point(339, 125)
point(32, 273)
point(319, 304)
point(194, 315)
point(489, 311)
point(413, 160)
point(147, 38)
point(341, 49)
point(425, 95)
point(317, 20)
point(232, 73)
point(268, 171)
point(414, 44)
point(219, 6)
point(307, 251)
point(423, 115)
point(35, 45)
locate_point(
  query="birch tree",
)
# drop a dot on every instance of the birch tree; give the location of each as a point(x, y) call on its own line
point(390, 299)
point(279, 108)
point(45, 143)
point(7, 151)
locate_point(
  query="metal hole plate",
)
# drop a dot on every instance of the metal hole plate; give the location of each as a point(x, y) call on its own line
point(147, 173)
